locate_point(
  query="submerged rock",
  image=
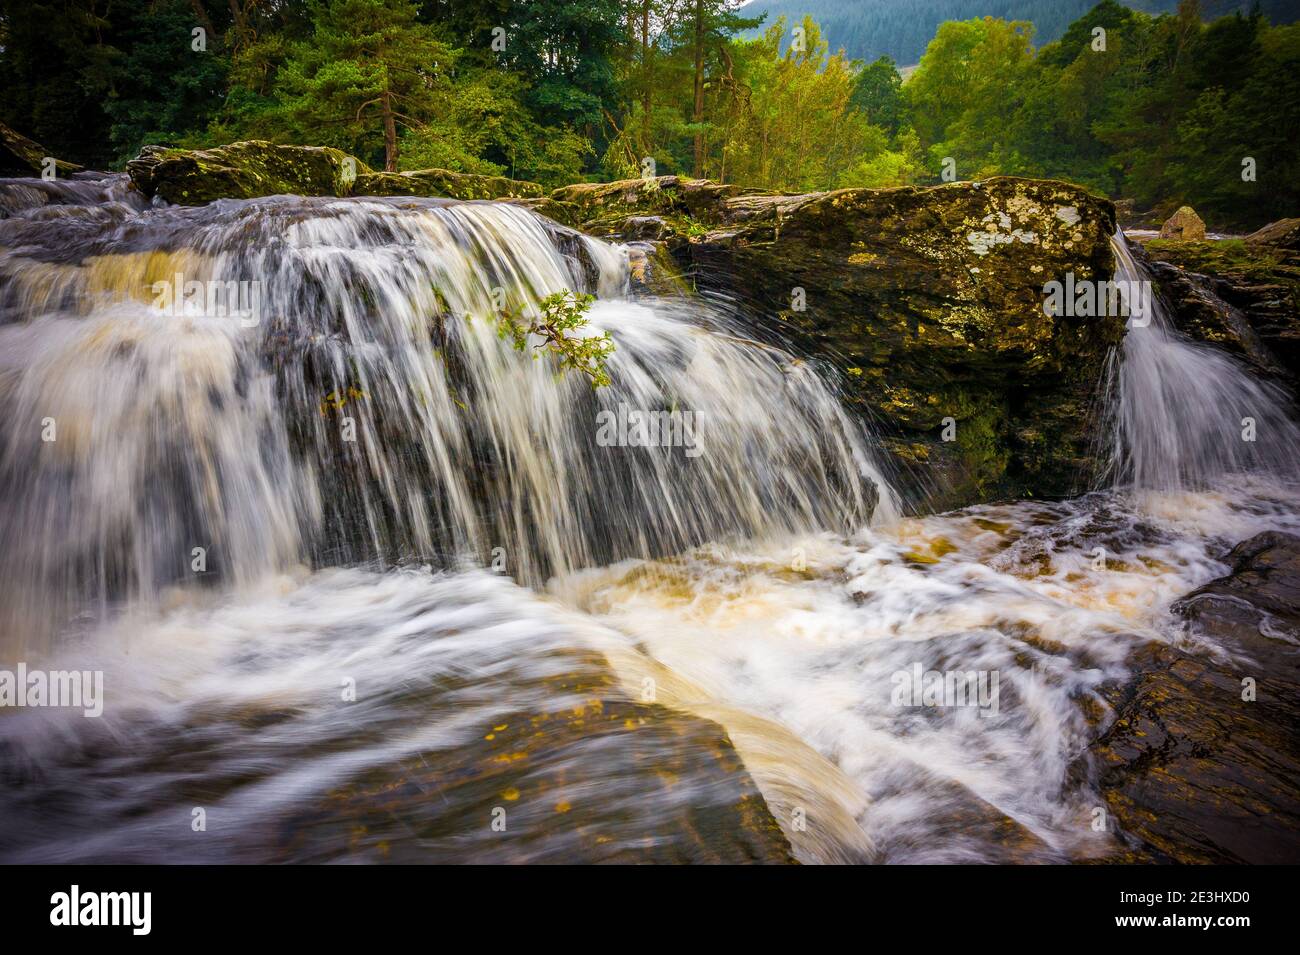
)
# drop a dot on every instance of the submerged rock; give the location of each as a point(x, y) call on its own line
point(518, 789)
point(1184, 225)
point(1202, 763)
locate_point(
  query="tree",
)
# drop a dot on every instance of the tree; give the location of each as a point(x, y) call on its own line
point(878, 92)
point(972, 78)
point(795, 127)
point(369, 67)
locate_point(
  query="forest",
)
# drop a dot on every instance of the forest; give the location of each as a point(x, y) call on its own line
point(1162, 109)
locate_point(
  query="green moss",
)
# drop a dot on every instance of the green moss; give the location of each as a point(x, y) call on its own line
point(1221, 257)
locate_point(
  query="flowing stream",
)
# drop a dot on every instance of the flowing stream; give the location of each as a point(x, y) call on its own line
point(333, 540)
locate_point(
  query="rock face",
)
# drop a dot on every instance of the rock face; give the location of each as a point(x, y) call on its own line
point(929, 300)
point(1184, 225)
point(1243, 296)
point(442, 183)
point(1194, 768)
point(251, 169)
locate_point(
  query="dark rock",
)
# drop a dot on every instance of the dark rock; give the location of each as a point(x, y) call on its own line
point(20, 155)
point(1285, 234)
point(672, 789)
point(1241, 295)
point(1200, 312)
point(931, 300)
point(1191, 771)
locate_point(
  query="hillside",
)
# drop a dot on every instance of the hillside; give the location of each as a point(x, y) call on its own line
point(867, 29)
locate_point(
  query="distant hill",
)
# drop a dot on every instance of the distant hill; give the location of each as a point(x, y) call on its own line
point(867, 29)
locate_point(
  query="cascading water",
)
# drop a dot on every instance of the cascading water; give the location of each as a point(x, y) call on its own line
point(369, 410)
point(339, 683)
point(1185, 414)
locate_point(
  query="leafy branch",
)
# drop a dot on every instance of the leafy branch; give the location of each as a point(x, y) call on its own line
point(557, 322)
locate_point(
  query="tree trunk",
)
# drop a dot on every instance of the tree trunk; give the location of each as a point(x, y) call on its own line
point(698, 115)
point(390, 133)
point(241, 24)
point(647, 78)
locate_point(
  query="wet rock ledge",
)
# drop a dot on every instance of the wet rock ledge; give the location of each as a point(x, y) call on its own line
point(1190, 771)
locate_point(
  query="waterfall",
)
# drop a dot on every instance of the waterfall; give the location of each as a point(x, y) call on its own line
point(225, 497)
point(360, 405)
point(1184, 414)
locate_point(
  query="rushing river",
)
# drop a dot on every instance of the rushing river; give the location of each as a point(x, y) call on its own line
point(365, 584)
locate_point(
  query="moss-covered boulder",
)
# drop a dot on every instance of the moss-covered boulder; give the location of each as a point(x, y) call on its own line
point(442, 183)
point(247, 170)
point(931, 302)
point(1184, 226)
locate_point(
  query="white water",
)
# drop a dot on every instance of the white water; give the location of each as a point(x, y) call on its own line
point(1186, 414)
point(749, 585)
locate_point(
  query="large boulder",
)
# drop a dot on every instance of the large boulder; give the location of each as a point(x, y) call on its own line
point(248, 170)
point(1184, 225)
point(930, 301)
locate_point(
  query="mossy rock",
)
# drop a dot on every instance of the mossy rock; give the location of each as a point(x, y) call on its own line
point(666, 196)
point(1240, 295)
point(931, 299)
point(246, 170)
point(442, 183)
point(18, 154)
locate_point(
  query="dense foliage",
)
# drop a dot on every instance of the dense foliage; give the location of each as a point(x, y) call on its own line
point(1164, 109)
